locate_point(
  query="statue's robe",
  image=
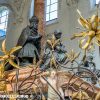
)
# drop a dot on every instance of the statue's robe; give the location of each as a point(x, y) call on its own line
point(23, 37)
point(29, 47)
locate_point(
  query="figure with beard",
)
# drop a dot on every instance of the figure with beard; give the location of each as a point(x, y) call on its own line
point(30, 41)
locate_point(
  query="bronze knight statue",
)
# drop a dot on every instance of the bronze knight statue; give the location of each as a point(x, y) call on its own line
point(59, 52)
point(30, 41)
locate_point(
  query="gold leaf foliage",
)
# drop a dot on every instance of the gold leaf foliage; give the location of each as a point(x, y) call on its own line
point(91, 33)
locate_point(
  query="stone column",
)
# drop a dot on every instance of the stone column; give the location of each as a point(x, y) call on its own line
point(39, 11)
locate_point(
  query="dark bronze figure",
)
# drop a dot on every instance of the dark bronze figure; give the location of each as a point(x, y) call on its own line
point(58, 52)
point(60, 48)
point(30, 41)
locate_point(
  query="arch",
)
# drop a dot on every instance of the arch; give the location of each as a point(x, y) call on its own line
point(6, 5)
point(10, 6)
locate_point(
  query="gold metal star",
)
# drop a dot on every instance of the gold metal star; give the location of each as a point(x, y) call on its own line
point(92, 31)
point(8, 55)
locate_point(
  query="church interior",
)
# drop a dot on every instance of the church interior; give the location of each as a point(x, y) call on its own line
point(49, 50)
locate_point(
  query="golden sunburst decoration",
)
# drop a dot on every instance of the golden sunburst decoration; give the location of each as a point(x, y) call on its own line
point(72, 56)
point(9, 55)
point(53, 41)
point(91, 26)
point(91, 33)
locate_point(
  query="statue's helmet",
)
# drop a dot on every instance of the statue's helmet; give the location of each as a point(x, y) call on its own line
point(33, 19)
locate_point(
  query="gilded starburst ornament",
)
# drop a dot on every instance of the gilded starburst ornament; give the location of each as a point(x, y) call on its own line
point(72, 56)
point(91, 33)
point(8, 56)
point(53, 41)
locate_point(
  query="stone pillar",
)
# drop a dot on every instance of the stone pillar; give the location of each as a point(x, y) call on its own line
point(39, 11)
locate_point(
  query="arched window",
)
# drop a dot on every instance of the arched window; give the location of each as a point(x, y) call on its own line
point(51, 10)
point(4, 11)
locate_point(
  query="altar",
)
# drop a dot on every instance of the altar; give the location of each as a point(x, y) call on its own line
point(41, 67)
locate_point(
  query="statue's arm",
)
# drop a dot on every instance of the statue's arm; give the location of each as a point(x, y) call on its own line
point(42, 80)
point(61, 48)
point(31, 38)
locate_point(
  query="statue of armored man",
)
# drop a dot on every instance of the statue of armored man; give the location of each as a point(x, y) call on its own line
point(30, 40)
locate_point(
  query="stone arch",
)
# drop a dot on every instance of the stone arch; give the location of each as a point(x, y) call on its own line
point(6, 5)
point(10, 6)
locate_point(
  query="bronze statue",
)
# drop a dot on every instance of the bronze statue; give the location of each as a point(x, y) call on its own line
point(60, 48)
point(54, 53)
point(30, 41)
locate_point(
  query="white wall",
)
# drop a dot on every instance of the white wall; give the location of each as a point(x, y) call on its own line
point(16, 24)
point(67, 23)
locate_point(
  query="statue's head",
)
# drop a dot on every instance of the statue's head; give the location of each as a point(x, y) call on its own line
point(34, 22)
point(57, 34)
point(53, 74)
